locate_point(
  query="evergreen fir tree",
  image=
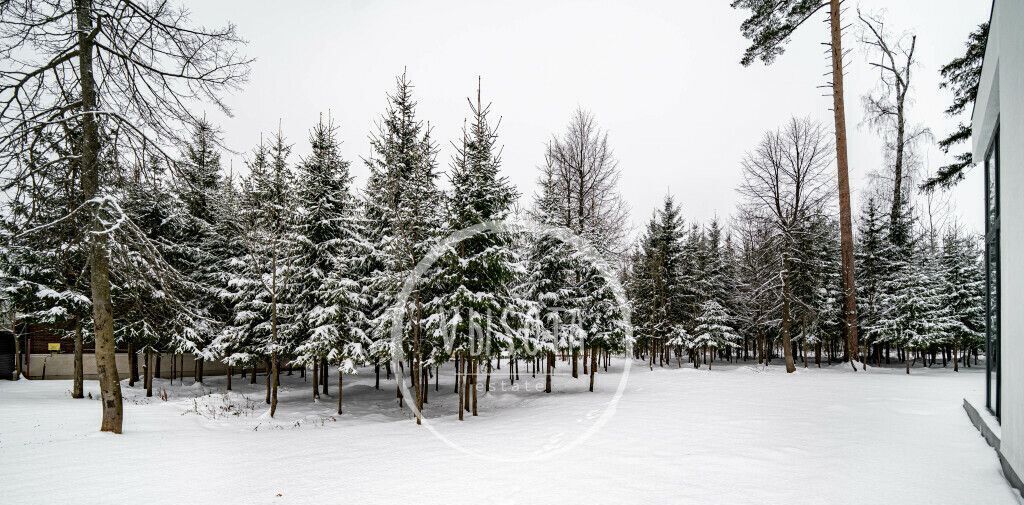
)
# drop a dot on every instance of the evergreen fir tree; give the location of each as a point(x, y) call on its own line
point(713, 331)
point(325, 248)
point(963, 285)
point(475, 279)
point(404, 220)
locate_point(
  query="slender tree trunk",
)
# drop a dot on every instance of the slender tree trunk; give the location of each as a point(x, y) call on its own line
point(17, 353)
point(77, 388)
point(325, 380)
point(460, 381)
point(787, 346)
point(843, 165)
point(487, 382)
point(416, 368)
point(229, 377)
point(99, 256)
point(547, 378)
point(267, 363)
point(149, 372)
point(133, 364)
point(593, 366)
point(316, 379)
point(276, 373)
point(340, 380)
point(476, 376)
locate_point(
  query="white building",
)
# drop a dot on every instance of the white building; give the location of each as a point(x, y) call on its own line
point(998, 127)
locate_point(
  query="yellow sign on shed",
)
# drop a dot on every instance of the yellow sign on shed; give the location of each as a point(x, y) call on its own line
point(53, 346)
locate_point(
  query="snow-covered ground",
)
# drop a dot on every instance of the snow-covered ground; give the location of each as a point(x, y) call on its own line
point(732, 435)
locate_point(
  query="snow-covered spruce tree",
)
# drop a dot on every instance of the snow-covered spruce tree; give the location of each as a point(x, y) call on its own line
point(963, 285)
point(236, 344)
point(713, 331)
point(579, 179)
point(758, 284)
point(260, 329)
point(923, 317)
point(603, 325)
point(404, 221)
point(228, 242)
point(548, 285)
point(202, 251)
point(645, 286)
point(718, 275)
point(669, 244)
point(874, 265)
point(691, 287)
point(654, 285)
point(913, 313)
point(43, 256)
point(473, 282)
point(139, 318)
point(817, 289)
point(715, 277)
point(326, 247)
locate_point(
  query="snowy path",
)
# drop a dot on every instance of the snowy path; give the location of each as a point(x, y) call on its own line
point(734, 435)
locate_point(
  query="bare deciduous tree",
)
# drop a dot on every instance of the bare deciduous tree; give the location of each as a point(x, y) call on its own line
point(785, 183)
point(886, 110)
point(584, 168)
point(104, 75)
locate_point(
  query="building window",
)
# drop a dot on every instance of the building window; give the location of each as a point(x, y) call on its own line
point(992, 332)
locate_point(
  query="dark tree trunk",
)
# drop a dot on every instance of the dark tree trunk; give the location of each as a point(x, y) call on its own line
point(593, 367)
point(133, 364)
point(340, 380)
point(547, 377)
point(149, 372)
point(316, 379)
point(77, 388)
point(323, 373)
point(460, 382)
point(787, 347)
point(476, 376)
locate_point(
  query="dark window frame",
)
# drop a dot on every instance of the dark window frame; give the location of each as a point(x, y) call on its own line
point(993, 333)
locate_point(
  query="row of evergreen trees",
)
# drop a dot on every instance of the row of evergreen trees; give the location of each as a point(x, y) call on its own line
point(291, 265)
point(699, 293)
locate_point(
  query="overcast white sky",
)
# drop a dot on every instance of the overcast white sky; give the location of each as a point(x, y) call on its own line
point(661, 76)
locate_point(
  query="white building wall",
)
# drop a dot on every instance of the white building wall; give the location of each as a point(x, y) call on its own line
point(1001, 101)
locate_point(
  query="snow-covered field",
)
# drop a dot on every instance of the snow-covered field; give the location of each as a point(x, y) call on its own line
point(732, 435)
